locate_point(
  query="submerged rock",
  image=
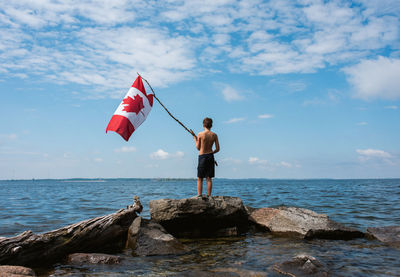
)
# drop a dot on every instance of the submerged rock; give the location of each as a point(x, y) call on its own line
point(303, 223)
point(93, 258)
point(201, 217)
point(241, 272)
point(147, 238)
point(197, 273)
point(302, 265)
point(389, 234)
point(15, 271)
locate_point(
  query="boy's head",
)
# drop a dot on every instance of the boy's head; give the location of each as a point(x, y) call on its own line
point(207, 123)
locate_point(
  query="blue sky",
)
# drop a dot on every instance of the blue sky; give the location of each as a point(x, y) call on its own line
point(297, 89)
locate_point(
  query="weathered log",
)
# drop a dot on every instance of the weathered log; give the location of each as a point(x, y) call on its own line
point(105, 234)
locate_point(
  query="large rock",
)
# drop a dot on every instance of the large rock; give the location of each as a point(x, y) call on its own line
point(201, 217)
point(389, 234)
point(302, 265)
point(303, 223)
point(93, 258)
point(147, 238)
point(15, 271)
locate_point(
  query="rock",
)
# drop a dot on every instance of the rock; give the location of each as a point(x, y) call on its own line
point(302, 265)
point(197, 273)
point(93, 258)
point(242, 272)
point(389, 234)
point(302, 223)
point(147, 238)
point(249, 209)
point(200, 217)
point(15, 271)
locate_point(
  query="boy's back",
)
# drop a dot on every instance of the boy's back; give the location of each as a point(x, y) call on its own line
point(207, 139)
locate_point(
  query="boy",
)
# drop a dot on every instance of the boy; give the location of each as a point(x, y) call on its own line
point(204, 143)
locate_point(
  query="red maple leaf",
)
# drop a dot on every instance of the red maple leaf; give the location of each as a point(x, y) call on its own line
point(133, 105)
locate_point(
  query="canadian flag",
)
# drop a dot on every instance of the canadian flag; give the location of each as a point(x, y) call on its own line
point(132, 111)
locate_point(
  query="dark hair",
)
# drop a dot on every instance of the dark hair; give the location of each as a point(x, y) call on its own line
point(207, 122)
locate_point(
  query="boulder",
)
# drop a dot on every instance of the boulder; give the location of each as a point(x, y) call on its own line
point(200, 217)
point(93, 258)
point(15, 271)
point(302, 223)
point(302, 265)
point(389, 234)
point(147, 238)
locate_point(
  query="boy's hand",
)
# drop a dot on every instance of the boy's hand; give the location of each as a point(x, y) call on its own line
point(193, 134)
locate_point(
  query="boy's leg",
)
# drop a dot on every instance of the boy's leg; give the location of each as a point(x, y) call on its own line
point(209, 186)
point(199, 186)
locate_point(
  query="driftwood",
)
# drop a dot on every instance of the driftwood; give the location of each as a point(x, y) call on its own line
point(106, 234)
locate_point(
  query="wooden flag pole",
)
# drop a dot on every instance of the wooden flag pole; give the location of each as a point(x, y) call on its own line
point(154, 94)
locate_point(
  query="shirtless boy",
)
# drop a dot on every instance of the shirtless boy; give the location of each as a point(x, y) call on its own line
point(204, 143)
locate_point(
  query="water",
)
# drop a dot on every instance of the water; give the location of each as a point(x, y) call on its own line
point(44, 205)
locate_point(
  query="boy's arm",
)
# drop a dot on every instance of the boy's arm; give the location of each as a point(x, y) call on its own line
point(197, 141)
point(216, 145)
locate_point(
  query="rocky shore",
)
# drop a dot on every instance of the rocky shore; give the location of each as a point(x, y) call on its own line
point(100, 240)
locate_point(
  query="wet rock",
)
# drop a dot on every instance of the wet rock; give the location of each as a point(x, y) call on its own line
point(302, 265)
point(147, 238)
point(241, 272)
point(93, 258)
point(200, 217)
point(227, 232)
point(389, 234)
point(15, 271)
point(302, 223)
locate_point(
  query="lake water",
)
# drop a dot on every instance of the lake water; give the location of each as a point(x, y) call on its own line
point(44, 205)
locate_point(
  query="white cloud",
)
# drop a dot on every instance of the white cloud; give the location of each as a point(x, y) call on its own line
point(230, 94)
point(264, 164)
point(159, 155)
point(98, 160)
point(374, 154)
point(379, 78)
point(393, 107)
point(163, 155)
point(362, 123)
point(235, 120)
point(286, 164)
point(103, 45)
point(257, 161)
point(8, 136)
point(264, 116)
point(125, 149)
point(231, 161)
point(12, 136)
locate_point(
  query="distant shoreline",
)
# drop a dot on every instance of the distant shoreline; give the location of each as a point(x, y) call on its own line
point(189, 179)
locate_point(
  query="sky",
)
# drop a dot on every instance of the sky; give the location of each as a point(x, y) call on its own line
point(296, 89)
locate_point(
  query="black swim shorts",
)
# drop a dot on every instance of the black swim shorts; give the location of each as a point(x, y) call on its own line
point(206, 167)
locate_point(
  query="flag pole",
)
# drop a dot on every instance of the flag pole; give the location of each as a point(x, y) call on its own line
point(154, 94)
